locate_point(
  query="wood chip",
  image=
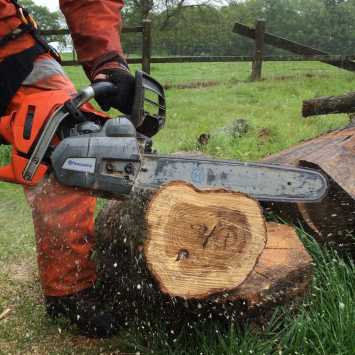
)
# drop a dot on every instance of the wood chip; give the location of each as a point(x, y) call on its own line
point(4, 314)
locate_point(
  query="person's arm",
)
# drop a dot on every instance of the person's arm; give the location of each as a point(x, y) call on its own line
point(95, 26)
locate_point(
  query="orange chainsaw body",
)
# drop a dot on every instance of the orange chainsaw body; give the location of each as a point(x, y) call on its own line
point(22, 128)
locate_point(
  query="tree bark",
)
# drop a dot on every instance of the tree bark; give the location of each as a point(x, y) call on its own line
point(331, 221)
point(181, 254)
point(329, 104)
point(283, 271)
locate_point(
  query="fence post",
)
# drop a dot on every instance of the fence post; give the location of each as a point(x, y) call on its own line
point(259, 50)
point(147, 45)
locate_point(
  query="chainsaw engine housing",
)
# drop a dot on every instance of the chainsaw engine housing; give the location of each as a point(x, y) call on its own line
point(107, 160)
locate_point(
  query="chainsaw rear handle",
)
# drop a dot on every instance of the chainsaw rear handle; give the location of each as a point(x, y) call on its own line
point(96, 90)
point(69, 109)
point(103, 88)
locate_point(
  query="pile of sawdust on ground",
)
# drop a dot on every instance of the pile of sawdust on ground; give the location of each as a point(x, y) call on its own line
point(20, 271)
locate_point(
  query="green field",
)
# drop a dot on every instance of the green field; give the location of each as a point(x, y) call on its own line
point(325, 323)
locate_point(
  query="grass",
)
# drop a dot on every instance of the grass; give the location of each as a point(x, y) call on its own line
point(273, 104)
point(325, 322)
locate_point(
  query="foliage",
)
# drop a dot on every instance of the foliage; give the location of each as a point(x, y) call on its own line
point(136, 10)
point(46, 19)
point(207, 29)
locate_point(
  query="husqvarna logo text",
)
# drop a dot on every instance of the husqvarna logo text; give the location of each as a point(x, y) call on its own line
point(85, 165)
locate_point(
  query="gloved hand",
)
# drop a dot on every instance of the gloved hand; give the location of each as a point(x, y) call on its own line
point(125, 83)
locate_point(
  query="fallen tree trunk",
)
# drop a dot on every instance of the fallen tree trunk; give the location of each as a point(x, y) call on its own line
point(329, 104)
point(332, 220)
point(181, 254)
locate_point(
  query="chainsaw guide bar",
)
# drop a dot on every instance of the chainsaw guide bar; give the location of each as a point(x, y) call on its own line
point(265, 182)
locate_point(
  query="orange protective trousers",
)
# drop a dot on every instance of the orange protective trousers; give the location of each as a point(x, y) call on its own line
point(64, 217)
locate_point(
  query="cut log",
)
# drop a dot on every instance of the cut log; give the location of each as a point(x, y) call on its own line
point(329, 104)
point(283, 271)
point(332, 220)
point(181, 254)
point(202, 242)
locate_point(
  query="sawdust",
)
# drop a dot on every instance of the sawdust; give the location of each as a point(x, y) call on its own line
point(23, 271)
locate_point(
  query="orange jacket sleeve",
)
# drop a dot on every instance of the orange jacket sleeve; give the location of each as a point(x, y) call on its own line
point(95, 26)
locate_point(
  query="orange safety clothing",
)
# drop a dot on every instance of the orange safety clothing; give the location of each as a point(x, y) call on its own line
point(8, 22)
point(94, 25)
point(64, 217)
point(64, 227)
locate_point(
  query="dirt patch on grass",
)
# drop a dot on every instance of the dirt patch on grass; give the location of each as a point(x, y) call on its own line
point(200, 84)
point(193, 85)
point(21, 271)
point(297, 76)
point(265, 135)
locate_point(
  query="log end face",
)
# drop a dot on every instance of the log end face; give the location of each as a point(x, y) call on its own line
point(202, 242)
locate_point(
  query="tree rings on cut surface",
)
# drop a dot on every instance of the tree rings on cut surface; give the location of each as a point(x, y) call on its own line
point(201, 242)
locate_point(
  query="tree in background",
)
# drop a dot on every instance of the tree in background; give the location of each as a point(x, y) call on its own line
point(47, 20)
point(137, 10)
point(204, 27)
point(324, 24)
point(180, 27)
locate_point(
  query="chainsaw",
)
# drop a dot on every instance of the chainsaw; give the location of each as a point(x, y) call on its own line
point(111, 158)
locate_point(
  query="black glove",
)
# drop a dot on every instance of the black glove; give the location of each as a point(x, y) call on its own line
point(125, 83)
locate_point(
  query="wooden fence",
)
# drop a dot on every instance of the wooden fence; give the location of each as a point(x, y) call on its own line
point(258, 34)
point(145, 29)
point(262, 37)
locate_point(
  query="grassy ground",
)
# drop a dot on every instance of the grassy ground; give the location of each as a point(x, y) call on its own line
point(274, 104)
point(325, 323)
